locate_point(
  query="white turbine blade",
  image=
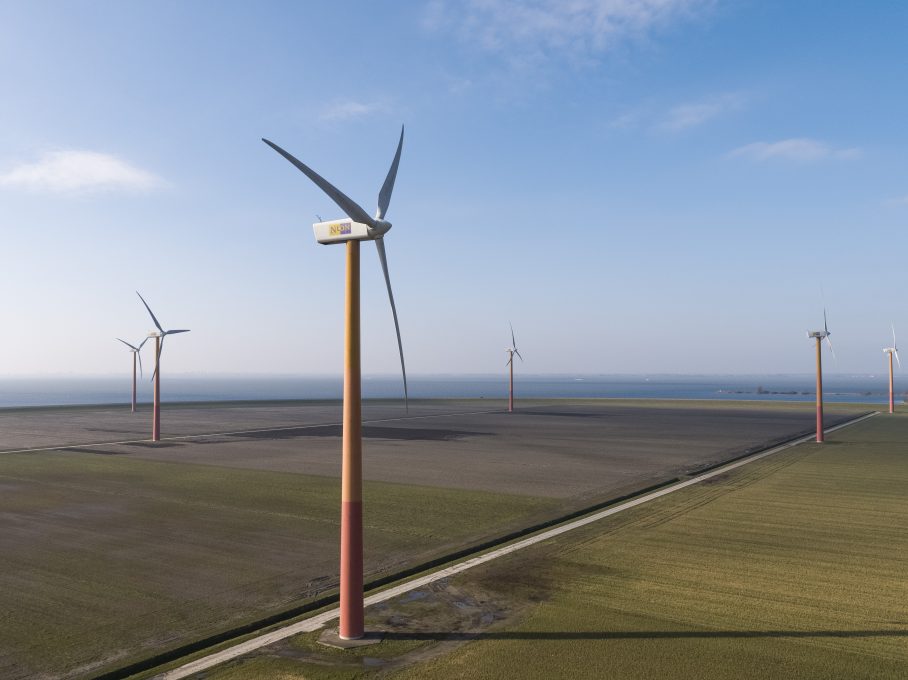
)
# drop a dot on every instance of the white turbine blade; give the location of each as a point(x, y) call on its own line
point(380, 245)
point(384, 196)
point(510, 359)
point(897, 358)
point(153, 318)
point(136, 349)
point(894, 343)
point(829, 342)
point(825, 325)
point(513, 341)
point(143, 342)
point(141, 371)
point(344, 202)
point(180, 330)
point(518, 354)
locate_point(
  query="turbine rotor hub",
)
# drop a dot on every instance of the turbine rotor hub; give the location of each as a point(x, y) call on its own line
point(379, 228)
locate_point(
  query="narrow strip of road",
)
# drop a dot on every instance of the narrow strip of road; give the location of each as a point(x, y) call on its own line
point(318, 621)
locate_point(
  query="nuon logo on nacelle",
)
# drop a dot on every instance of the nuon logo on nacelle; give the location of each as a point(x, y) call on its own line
point(338, 231)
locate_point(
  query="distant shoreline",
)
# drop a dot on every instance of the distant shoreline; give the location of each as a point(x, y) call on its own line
point(145, 407)
point(70, 391)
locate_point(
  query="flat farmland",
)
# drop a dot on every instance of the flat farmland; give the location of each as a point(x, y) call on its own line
point(791, 567)
point(115, 548)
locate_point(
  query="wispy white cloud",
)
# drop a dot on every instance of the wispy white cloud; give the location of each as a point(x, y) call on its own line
point(459, 85)
point(625, 121)
point(797, 149)
point(536, 27)
point(658, 117)
point(345, 110)
point(695, 113)
point(76, 172)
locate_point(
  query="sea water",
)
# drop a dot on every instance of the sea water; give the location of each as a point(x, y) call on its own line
point(106, 390)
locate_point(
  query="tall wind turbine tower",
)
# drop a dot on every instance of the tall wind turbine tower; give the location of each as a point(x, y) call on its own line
point(820, 336)
point(894, 350)
point(512, 350)
point(158, 336)
point(135, 355)
point(358, 226)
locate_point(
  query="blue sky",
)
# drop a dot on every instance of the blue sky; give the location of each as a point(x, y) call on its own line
point(666, 186)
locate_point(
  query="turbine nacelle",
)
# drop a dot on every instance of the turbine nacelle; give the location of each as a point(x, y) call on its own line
point(512, 350)
point(160, 333)
point(346, 229)
point(137, 352)
point(894, 349)
point(133, 348)
point(819, 336)
point(340, 231)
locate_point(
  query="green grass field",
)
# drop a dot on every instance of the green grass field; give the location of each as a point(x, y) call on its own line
point(792, 567)
point(110, 556)
point(116, 558)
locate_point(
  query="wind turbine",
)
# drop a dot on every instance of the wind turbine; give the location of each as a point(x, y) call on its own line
point(158, 336)
point(135, 354)
point(358, 226)
point(512, 350)
point(819, 336)
point(890, 351)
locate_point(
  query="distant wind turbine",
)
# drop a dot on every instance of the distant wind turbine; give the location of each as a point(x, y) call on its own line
point(894, 350)
point(158, 348)
point(135, 354)
point(359, 226)
point(819, 336)
point(512, 350)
